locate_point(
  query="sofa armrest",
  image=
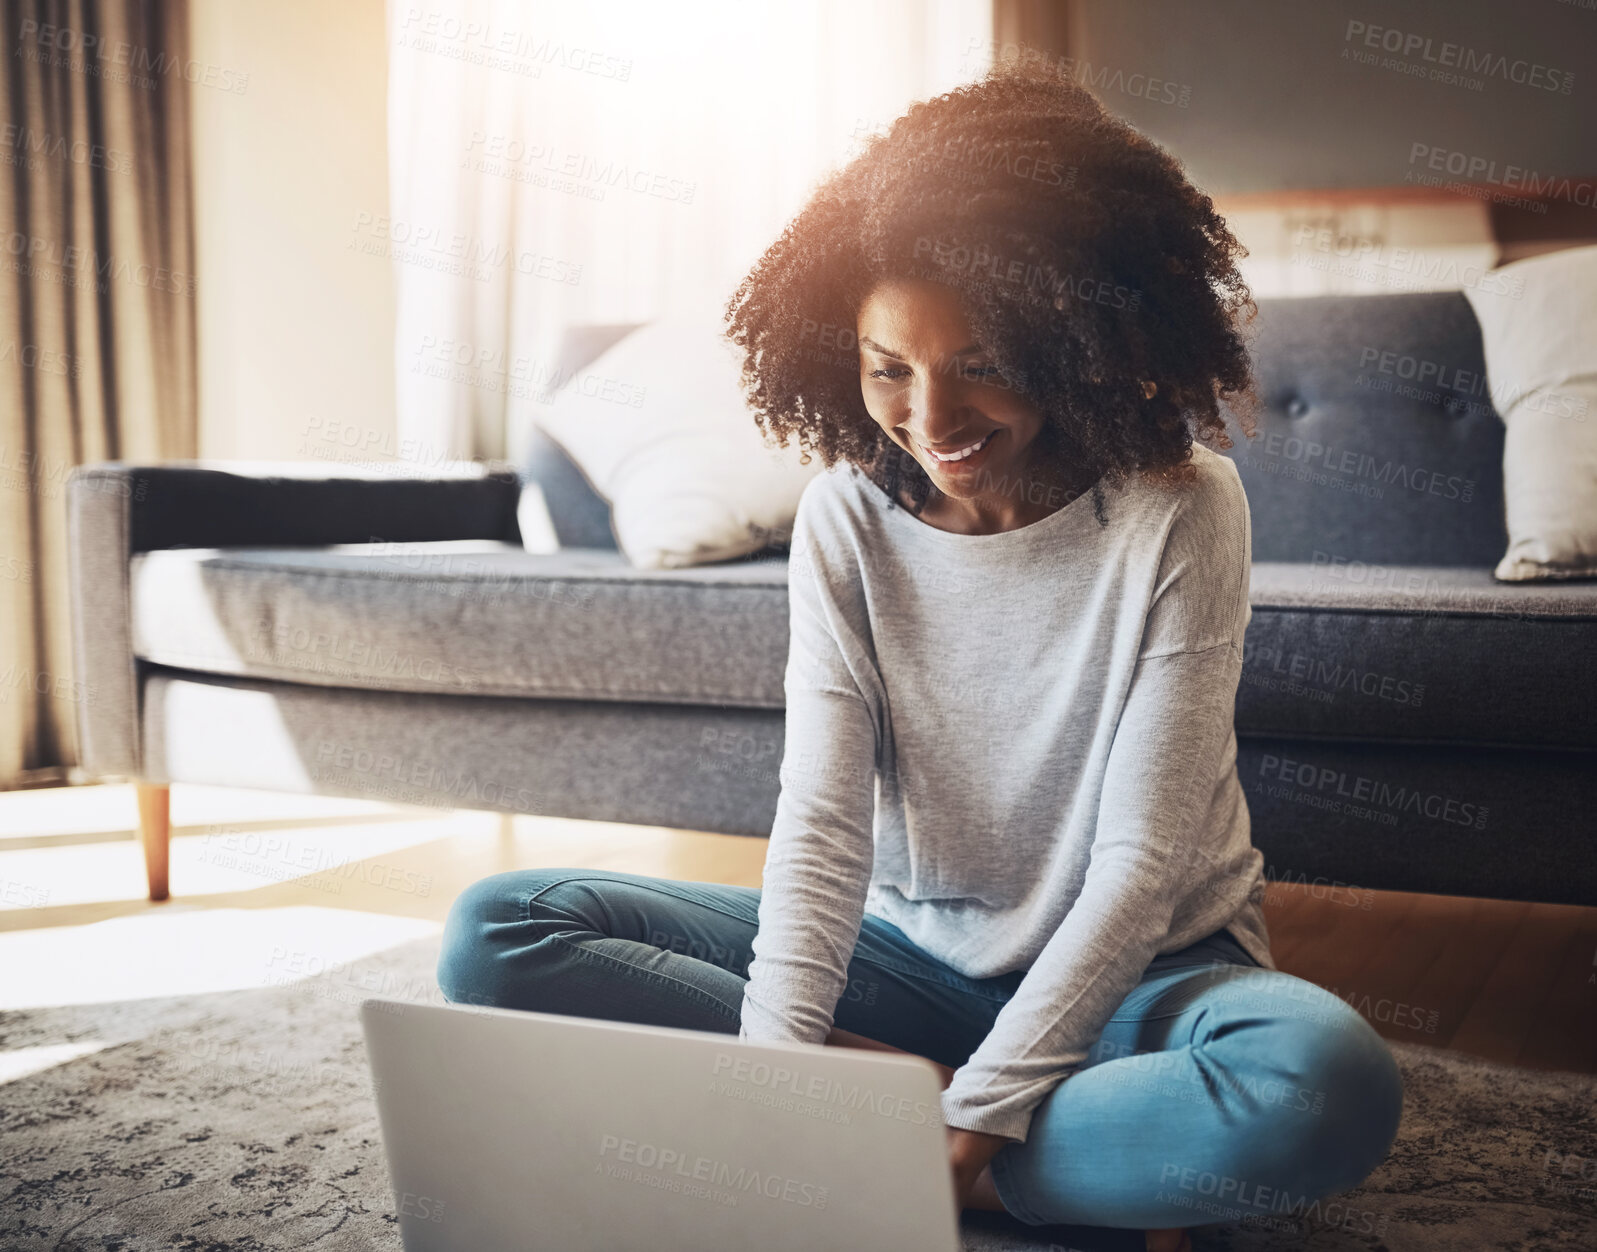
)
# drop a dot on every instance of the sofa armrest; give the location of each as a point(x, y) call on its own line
point(117, 510)
point(221, 505)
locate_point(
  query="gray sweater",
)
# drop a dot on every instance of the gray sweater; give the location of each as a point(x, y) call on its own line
point(1017, 748)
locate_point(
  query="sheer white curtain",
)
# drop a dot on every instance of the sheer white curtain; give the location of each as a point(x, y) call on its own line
point(608, 162)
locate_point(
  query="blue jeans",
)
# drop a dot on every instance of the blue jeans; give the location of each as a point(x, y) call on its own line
point(1218, 1091)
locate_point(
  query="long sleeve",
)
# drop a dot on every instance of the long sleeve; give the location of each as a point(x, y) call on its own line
point(1166, 755)
point(1172, 752)
point(818, 864)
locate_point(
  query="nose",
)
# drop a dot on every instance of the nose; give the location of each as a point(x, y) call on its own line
point(938, 410)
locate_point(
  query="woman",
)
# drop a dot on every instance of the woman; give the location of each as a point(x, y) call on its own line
point(1011, 837)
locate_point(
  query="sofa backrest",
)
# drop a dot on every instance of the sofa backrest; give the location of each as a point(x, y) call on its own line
point(579, 515)
point(1376, 440)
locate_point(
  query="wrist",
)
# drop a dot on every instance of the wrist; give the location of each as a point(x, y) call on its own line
point(973, 1148)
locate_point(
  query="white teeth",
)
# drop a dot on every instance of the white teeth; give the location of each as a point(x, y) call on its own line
point(963, 452)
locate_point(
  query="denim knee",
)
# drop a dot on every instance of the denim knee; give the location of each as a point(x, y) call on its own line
point(1347, 1078)
point(483, 918)
point(1358, 1066)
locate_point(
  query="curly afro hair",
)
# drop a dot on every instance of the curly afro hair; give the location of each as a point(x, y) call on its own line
point(1101, 282)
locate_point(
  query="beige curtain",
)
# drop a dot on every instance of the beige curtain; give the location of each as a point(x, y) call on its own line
point(96, 314)
point(553, 163)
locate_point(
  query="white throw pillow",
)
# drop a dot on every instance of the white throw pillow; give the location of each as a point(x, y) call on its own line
point(659, 426)
point(1541, 367)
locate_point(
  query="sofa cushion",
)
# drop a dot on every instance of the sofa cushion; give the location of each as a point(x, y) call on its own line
point(1336, 650)
point(1376, 436)
point(662, 430)
point(469, 617)
point(1541, 360)
point(579, 515)
point(1415, 654)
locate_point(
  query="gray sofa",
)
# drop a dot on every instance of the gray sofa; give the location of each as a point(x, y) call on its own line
point(1404, 721)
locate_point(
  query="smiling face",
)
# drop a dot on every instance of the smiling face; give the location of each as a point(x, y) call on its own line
point(937, 395)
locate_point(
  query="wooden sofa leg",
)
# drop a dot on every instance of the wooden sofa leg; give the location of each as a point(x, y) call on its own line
point(155, 833)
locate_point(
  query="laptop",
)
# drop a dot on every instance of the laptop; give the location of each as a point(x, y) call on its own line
point(518, 1130)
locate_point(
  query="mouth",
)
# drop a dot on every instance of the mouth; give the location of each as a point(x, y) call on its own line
point(959, 458)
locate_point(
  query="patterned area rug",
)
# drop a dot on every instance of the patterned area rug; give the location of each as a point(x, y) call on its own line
point(244, 1121)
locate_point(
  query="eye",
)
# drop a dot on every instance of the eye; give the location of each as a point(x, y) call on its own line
point(888, 372)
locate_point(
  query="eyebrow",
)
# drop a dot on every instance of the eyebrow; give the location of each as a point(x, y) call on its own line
point(872, 344)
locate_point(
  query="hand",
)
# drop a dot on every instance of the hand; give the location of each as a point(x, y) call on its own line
point(969, 1152)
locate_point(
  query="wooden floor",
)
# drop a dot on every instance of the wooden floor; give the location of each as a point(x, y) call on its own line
point(1508, 981)
point(1511, 982)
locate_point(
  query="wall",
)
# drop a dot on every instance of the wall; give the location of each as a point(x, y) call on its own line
point(1262, 95)
point(295, 325)
point(1354, 147)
